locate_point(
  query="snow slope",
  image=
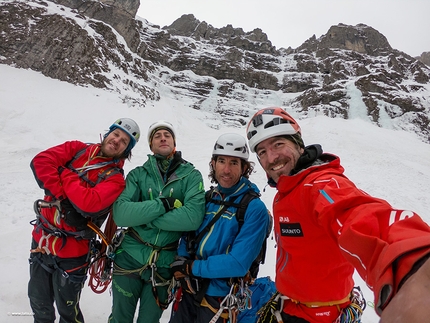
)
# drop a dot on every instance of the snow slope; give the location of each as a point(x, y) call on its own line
point(39, 112)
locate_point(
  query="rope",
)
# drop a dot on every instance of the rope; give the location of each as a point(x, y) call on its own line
point(353, 312)
point(100, 269)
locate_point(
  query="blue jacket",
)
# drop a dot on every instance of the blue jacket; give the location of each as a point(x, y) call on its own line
point(223, 252)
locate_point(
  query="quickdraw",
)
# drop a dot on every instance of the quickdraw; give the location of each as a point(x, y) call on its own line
point(244, 296)
point(237, 300)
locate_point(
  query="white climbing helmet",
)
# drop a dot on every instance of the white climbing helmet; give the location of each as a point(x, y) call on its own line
point(231, 144)
point(161, 124)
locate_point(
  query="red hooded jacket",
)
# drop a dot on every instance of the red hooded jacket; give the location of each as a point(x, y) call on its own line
point(325, 227)
point(57, 172)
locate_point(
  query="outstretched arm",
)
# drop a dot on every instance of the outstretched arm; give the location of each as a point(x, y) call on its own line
point(410, 304)
point(383, 243)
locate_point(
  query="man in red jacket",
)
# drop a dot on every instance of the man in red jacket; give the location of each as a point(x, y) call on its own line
point(326, 227)
point(81, 182)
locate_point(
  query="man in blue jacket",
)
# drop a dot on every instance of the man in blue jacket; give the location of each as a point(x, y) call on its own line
point(211, 264)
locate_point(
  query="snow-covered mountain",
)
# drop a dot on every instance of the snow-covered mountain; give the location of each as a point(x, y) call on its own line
point(38, 112)
point(70, 67)
point(225, 72)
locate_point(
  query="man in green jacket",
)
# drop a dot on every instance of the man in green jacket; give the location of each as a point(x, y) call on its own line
point(162, 199)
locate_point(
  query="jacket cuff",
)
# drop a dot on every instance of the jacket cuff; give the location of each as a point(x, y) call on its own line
point(396, 275)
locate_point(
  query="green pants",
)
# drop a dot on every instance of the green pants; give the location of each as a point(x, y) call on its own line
point(130, 289)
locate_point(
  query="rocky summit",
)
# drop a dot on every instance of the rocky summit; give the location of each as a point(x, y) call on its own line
point(351, 71)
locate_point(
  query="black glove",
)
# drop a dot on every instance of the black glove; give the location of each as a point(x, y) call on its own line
point(170, 203)
point(71, 216)
point(182, 265)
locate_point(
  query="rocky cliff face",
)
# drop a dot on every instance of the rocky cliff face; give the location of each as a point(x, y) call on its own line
point(424, 58)
point(350, 71)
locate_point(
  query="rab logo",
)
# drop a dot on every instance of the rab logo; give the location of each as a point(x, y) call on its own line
point(291, 230)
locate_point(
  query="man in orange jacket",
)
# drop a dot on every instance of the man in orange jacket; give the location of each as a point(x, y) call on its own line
point(326, 227)
point(81, 182)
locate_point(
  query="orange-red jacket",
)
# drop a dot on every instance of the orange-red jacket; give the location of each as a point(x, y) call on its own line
point(325, 226)
point(56, 170)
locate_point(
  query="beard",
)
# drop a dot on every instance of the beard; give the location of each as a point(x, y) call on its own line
point(106, 151)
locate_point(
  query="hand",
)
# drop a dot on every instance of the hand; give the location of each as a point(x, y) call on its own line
point(71, 216)
point(182, 267)
point(410, 304)
point(170, 203)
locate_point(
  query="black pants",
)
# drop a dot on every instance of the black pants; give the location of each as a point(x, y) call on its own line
point(189, 312)
point(286, 318)
point(49, 284)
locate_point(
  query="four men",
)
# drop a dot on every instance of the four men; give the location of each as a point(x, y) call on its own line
point(325, 228)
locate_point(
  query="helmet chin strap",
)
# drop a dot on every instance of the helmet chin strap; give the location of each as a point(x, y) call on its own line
point(172, 153)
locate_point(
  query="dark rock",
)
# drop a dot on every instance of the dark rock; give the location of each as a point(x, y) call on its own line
point(225, 71)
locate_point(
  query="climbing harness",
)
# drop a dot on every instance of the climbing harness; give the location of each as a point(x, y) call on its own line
point(271, 311)
point(155, 278)
point(100, 255)
point(50, 229)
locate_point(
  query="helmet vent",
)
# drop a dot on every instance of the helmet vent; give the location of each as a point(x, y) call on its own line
point(251, 134)
point(276, 122)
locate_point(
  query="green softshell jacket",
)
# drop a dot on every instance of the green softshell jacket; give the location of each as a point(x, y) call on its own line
point(140, 207)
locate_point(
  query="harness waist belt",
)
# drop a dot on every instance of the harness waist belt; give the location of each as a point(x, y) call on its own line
point(205, 303)
point(320, 304)
point(170, 247)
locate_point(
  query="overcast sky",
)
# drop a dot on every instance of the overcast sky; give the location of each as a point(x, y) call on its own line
point(405, 23)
